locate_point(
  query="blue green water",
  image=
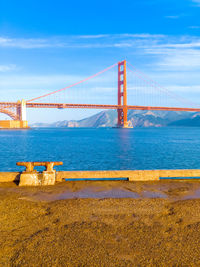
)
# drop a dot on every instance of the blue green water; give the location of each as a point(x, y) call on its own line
point(103, 149)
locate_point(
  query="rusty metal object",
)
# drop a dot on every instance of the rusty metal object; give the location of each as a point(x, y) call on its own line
point(48, 164)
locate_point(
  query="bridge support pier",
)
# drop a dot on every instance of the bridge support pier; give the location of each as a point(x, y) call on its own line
point(122, 96)
point(13, 124)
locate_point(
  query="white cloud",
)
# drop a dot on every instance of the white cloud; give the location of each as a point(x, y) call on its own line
point(167, 52)
point(5, 68)
point(181, 59)
point(78, 41)
point(176, 53)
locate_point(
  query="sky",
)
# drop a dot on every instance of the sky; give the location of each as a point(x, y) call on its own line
point(47, 45)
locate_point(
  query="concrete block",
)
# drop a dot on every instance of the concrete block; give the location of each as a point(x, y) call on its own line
point(37, 179)
point(48, 177)
point(29, 179)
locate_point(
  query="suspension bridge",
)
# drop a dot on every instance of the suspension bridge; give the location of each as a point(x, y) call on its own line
point(142, 93)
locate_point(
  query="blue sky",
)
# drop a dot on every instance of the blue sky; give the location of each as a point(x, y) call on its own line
point(47, 45)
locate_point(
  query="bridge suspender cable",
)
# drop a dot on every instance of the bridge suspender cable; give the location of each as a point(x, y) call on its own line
point(156, 85)
point(72, 85)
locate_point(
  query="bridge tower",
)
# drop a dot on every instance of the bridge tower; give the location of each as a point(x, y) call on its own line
point(21, 110)
point(21, 114)
point(122, 95)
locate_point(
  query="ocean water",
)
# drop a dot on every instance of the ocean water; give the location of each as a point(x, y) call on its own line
point(103, 148)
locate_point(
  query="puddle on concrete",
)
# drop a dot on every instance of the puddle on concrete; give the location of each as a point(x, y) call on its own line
point(193, 195)
point(151, 194)
point(91, 193)
point(172, 191)
point(87, 193)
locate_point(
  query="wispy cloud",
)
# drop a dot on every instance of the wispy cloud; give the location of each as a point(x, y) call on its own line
point(197, 2)
point(168, 51)
point(174, 52)
point(194, 27)
point(97, 36)
point(172, 60)
point(173, 17)
point(181, 59)
point(24, 43)
point(78, 41)
point(5, 68)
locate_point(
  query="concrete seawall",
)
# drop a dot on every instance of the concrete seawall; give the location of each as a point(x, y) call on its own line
point(9, 176)
point(138, 175)
point(131, 175)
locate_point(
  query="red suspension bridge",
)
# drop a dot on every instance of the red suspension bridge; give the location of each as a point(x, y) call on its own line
point(147, 95)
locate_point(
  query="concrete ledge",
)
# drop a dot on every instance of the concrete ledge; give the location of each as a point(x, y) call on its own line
point(139, 175)
point(131, 175)
point(9, 176)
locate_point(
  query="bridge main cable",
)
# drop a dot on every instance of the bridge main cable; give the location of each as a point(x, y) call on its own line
point(72, 85)
point(161, 88)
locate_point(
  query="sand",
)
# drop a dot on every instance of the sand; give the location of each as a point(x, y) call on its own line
point(38, 229)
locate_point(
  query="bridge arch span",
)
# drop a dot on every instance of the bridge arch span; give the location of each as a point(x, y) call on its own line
point(8, 112)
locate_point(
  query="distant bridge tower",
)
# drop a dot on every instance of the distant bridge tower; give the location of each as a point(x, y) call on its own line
point(21, 110)
point(122, 95)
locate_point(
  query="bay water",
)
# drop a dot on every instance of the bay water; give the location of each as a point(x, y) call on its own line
point(103, 148)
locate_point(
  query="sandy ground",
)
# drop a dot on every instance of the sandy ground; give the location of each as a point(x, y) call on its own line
point(159, 227)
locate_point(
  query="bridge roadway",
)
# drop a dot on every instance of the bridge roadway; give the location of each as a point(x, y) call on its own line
point(96, 106)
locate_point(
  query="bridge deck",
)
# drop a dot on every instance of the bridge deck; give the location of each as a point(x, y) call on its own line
point(96, 106)
point(93, 106)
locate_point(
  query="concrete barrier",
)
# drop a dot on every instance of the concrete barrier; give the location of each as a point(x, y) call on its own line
point(9, 177)
point(138, 175)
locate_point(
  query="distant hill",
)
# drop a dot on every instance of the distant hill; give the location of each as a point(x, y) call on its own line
point(135, 119)
point(194, 121)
